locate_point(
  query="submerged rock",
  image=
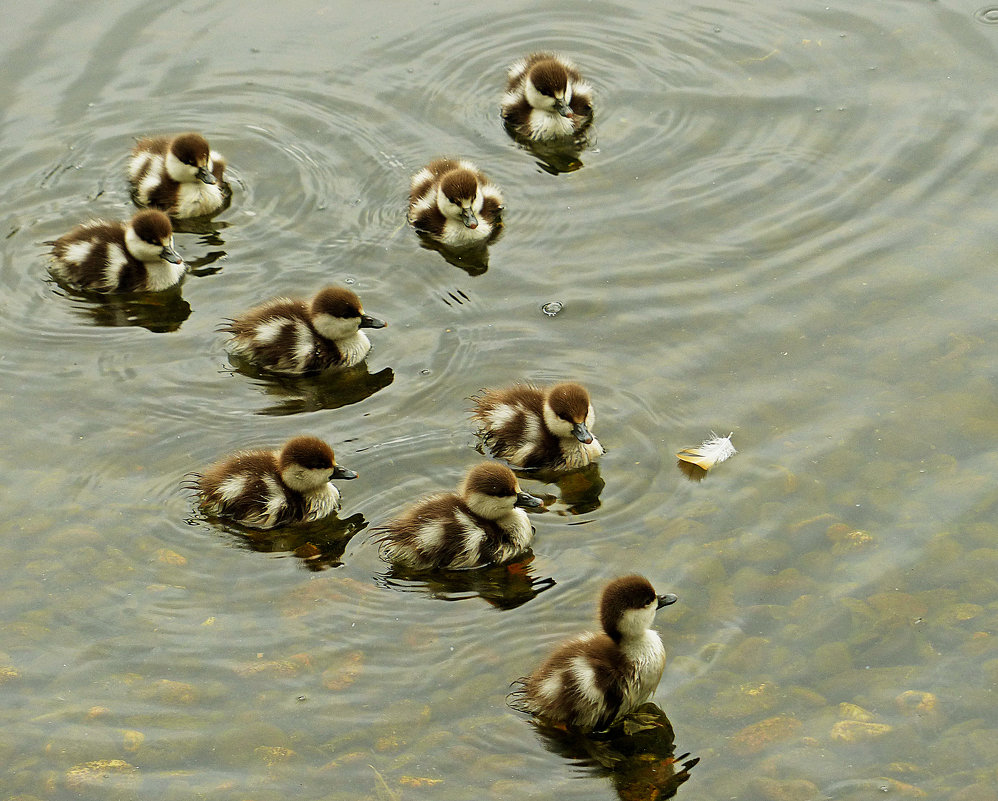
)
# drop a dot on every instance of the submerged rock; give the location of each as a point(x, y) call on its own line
point(858, 731)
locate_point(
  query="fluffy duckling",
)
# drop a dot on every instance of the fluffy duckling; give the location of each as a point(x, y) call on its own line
point(538, 428)
point(265, 489)
point(102, 256)
point(180, 175)
point(453, 203)
point(593, 679)
point(480, 524)
point(295, 337)
point(546, 99)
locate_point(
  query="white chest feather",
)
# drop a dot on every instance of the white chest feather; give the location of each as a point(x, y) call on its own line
point(198, 199)
point(354, 349)
point(579, 454)
point(549, 125)
point(647, 654)
point(457, 234)
point(322, 502)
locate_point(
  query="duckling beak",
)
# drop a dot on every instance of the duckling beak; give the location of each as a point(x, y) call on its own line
point(470, 220)
point(366, 321)
point(341, 472)
point(582, 433)
point(204, 176)
point(528, 500)
point(563, 108)
point(666, 600)
point(170, 255)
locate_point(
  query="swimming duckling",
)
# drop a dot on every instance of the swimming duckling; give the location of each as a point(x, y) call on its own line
point(538, 428)
point(453, 203)
point(480, 524)
point(180, 175)
point(295, 337)
point(103, 256)
point(593, 679)
point(546, 99)
point(265, 489)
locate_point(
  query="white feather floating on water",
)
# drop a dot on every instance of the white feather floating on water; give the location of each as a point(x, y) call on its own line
point(711, 452)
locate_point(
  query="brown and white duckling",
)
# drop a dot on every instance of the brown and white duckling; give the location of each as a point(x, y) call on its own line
point(296, 337)
point(103, 256)
point(538, 428)
point(265, 489)
point(593, 679)
point(546, 99)
point(481, 524)
point(180, 175)
point(453, 203)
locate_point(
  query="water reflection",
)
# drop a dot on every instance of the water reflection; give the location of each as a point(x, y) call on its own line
point(554, 158)
point(319, 545)
point(637, 753)
point(159, 312)
point(503, 586)
point(579, 490)
point(473, 259)
point(331, 389)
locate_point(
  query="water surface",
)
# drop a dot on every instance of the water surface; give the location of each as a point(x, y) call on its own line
point(784, 229)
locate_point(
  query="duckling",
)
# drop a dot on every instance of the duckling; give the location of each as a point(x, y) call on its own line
point(453, 203)
point(538, 428)
point(597, 677)
point(480, 524)
point(113, 256)
point(546, 99)
point(265, 489)
point(296, 337)
point(180, 175)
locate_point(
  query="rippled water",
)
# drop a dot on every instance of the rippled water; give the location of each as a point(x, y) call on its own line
point(784, 229)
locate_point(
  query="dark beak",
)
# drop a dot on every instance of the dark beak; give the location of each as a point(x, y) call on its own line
point(366, 321)
point(582, 433)
point(563, 108)
point(170, 255)
point(342, 472)
point(666, 600)
point(528, 500)
point(204, 176)
point(470, 220)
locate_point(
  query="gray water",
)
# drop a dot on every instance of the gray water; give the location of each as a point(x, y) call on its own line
point(784, 229)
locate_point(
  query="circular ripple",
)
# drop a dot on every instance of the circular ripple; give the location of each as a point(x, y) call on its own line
point(988, 15)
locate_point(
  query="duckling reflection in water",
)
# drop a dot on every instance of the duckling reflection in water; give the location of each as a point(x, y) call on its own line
point(505, 586)
point(319, 545)
point(638, 753)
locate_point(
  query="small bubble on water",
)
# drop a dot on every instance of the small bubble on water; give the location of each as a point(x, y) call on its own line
point(717, 29)
point(551, 308)
point(424, 371)
point(349, 280)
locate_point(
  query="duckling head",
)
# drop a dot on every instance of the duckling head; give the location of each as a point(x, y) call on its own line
point(337, 313)
point(149, 237)
point(491, 491)
point(307, 463)
point(549, 88)
point(459, 197)
point(628, 605)
point(568, 412)
point(189, 159)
